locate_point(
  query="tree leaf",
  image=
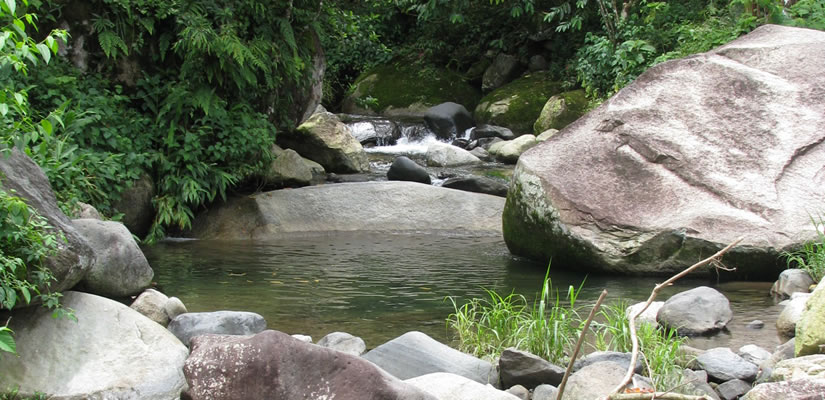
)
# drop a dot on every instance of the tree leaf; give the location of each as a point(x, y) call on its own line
point(11, 5)
point(4, 109)
point(47, 126)
point(44, 52)
point(7, 341)
point(26, 295)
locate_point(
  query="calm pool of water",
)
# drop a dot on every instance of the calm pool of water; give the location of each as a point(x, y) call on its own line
point(379, 286)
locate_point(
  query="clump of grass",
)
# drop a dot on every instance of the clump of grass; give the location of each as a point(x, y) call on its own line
point(659, 347)
point(548, 329)
point(811, 257)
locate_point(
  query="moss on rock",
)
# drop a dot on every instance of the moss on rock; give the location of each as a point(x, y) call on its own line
point(561, 110)
point(518, 104)
point(405, 88)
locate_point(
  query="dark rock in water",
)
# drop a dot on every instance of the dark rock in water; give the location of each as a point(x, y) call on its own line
point(522, 368)
point(682, 162)
point(449, 120)
point(23, 178)
point(120, 268)
point(404, 169)
point(273, 365)
point(187, 326)
point(723, 365)
point(462, 143)
point(492, 131)
point(697, 311)
point(477, 184)
point(414, 354)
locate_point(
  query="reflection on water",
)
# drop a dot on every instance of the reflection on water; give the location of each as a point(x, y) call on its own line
point(379, 286)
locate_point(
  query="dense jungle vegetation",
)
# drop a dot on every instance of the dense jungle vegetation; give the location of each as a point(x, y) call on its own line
point(193, 93)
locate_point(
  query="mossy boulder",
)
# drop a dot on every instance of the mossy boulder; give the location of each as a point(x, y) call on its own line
point(518, 104)
point(323, 138)
point(400, 89)
point(561, 110)
point(810, 330)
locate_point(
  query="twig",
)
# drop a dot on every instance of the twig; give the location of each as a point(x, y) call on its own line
point(635, 354)
point(579, 343)
point(657, 396)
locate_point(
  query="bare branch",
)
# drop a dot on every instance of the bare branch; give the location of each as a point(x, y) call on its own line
point(579, 343)
point(635, 353)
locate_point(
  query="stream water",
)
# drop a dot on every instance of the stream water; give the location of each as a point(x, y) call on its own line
point(379, 286)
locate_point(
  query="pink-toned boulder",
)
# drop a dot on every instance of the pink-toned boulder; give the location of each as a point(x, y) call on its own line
point(273, 365)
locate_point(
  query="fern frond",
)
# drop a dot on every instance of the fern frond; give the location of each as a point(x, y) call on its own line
point(111, 42)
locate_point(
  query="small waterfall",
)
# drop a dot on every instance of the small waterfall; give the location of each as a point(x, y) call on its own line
point(397, 137)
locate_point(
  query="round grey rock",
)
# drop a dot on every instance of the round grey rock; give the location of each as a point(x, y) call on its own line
point(723, 365)
point(344, 342)
point(545, 392)
point(697, 311)
point(151, 304)
point(174, 307)
point(186, 326)
point(792, 281)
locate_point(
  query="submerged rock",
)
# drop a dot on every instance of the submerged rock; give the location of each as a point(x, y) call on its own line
point(273, 365)
point(681, 162)
point(347, 207)
point(110, 352)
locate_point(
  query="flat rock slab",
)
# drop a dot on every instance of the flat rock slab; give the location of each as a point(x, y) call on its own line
point(111, 352)
point(690, 156)
point(347, 207)
point(414, 354)
point(446, 386)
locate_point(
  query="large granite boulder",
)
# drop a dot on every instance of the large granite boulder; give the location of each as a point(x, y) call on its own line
point(693, 154)
point(110, 352)
point(414, 354)
point(561, 110)
point(274, 365)
point(20, 176)
point(810, 330)
point(697, 311)
point(402, 89)
point(446, 386)
point(448, 120)
point(323, 138)
point(806, 367)
point(347, 207)
point(517, 104)
point(120, 268)
point(798, 389)
point(189, 325)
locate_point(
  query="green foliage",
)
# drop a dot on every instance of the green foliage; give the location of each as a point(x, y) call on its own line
point(659, 348)
point(808, 14)
point(548, 329)
point(811, 257)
